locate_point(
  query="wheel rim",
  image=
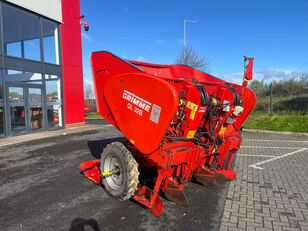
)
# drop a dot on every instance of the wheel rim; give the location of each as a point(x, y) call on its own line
point(111, 163)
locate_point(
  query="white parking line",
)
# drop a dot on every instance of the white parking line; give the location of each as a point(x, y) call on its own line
point(288, 141)
point(255, 165)
point(254, 155)
point(269, 147)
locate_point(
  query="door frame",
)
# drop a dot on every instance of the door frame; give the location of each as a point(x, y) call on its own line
point(28, 122)
point(25, 87)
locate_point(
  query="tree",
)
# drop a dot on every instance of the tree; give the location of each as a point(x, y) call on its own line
point(259, 88)
point(189, 56)
point(88, 91)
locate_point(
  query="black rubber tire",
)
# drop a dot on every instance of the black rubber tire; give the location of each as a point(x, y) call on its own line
point(127, 166)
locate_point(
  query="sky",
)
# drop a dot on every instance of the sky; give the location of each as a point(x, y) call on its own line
point(274, 32)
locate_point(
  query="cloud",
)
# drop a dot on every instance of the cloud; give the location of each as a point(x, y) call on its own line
point(86, 37)
point(159, 41)
point(140, 58)
point(156, 44)
point(124, 7)
point(276, 75)
point(32, 44)
point(87, 78)
point(233, 77)
point(88, 81)
point(267, 75)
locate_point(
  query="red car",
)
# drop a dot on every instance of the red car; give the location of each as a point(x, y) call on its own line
point(88, 108)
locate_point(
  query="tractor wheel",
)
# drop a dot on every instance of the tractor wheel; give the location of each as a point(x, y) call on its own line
point(122, 184)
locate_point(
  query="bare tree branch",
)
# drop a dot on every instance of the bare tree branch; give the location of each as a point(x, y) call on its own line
point(88, 91)
point(188, 56)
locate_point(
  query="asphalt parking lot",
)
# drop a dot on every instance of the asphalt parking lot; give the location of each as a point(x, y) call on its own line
point(41, 188)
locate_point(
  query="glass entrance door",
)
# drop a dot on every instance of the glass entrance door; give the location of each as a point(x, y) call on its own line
point(17, 109)
point(26, 108)
point(35, 108)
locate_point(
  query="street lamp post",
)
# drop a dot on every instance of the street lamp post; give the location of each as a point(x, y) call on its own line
point(184, 41)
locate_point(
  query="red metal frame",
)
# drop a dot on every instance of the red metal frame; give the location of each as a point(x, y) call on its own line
point(183, 122)
point(72, 62)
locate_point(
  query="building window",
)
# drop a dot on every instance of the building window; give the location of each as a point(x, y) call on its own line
point(21, 33)
point(30, 96)
point(13, 49)
point(53, 101)
point(32, 49)
point(50, 40)
point(22, 77)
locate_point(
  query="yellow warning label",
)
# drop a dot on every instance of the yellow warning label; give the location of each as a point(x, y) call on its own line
point(192, 106)
point(191, 134)
point(192, 115)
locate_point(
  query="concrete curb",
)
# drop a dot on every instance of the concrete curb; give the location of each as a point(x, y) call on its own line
point(47, 134)
point(275, 132)
point(95, 119)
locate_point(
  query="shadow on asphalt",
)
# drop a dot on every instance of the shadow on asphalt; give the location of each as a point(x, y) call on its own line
point(80, 224)
point(96, 147)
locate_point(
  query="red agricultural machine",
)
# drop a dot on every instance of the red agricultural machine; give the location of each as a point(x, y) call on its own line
point(181, 125)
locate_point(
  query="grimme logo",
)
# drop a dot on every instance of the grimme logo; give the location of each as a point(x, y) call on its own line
point(136, 100)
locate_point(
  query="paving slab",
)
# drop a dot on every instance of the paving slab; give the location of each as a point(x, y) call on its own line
point(271, 189)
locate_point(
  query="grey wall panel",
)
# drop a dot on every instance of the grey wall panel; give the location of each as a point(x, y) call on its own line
point(53, 69)
point(48, 8)
point(23, 65)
